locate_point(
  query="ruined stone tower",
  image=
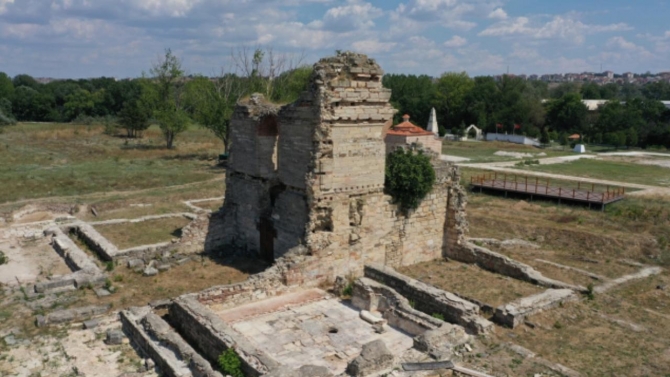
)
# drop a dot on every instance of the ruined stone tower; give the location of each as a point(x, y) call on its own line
point(311, 174)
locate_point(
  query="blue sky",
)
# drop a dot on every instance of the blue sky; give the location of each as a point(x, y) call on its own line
point(122, 38)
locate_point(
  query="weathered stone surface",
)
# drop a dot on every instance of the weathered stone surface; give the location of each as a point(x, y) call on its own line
point(440, 342)
point(55, 285)
point(150, 271)
point(514, 313)
point(501, 264)
point(96, 241)
point(102, 292)
point(114, 337)
point(312, 173)
point(303, 371)
point(135, 263)
point(205, 330)
point(69, 315)
point(162, 267)
point(375, 357)
point(91, 323)
point(429, 299)
point(373, 296)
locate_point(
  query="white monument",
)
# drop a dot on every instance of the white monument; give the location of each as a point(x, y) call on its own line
point(579, 148)
point(432, 123)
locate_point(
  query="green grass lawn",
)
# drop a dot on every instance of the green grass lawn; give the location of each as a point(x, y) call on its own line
point(46, 160)
point(484, 151)
point(609, 170)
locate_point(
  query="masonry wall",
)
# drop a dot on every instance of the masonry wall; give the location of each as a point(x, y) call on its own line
point(327, 193)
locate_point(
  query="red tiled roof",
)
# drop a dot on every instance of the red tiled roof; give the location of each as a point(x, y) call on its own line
point(574, 136)
point(408, 129)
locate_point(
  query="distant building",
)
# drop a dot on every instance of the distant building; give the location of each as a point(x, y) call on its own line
point(406, 133)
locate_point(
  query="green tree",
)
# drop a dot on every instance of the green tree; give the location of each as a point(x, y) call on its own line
point(567, 113)
point(212, 103)
point(409, 177)
point(25, 80)
point(31, 105)
point(165, 91)
point(413, 95)
point(81, 102)
point(590, 90)
point(134, 118)
point(451, 93)
point(6, 86)
point(562, 89)
point(544, 137)
point(631, 137)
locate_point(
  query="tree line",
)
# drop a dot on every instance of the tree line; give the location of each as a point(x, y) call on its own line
point(166, 96)
point(633, 115)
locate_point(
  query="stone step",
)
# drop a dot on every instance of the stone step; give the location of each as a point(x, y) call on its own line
point(156, 339)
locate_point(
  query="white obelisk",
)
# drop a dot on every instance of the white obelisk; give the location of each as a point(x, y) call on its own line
point(432, 123)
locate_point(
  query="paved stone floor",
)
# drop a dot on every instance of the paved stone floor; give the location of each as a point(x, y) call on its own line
point(324, 332)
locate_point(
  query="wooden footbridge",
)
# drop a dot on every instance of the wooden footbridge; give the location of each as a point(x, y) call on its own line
point(537, 187)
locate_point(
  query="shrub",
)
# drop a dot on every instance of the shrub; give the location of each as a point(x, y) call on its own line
point(438, 316)
point(109, 266)
point(230, 363)
point(589, 292)
point(3, 258)
point(348, 290)
point(409, 177)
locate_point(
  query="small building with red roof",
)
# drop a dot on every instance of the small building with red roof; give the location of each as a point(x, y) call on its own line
point(407, 133)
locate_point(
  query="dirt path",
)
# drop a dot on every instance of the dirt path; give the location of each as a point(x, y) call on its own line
point(97, 195)
point(645, 190)
point(643, 273)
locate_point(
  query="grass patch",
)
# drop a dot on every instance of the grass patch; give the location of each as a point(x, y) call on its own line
point(470, 281)
point(46, 160)
point(148, 232)
point(485, 151)
point(609, 170)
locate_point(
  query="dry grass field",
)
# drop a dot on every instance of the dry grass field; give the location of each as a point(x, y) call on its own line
point(55, 160)
point(127, 235)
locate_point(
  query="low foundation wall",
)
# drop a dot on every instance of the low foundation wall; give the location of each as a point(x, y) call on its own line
point(431, 300)
point(168, 350)
point(204, 330)
point(367, 294)
point(94, 240)
point(514, 313)
point(257, 287)
point(500, 264)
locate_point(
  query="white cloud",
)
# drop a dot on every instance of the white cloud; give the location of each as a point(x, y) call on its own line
point(629, 48)
point(3, 5)
point(498, 14)
point(373, 46)
point(621, 43)
point(559, 27)
point(456, 41)
point(448, 13)
point(353, 16)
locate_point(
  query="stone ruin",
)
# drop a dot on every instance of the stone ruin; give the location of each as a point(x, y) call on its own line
point(305, 192)
point(309, 176)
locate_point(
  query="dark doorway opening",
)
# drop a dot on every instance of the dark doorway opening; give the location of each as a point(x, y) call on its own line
point(267, 234)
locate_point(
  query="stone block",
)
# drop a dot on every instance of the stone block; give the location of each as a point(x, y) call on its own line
point(375, 357)
point(514, 313)
point(91, 323)
point(150, 271)
point(114, 337)
point(136, 263)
